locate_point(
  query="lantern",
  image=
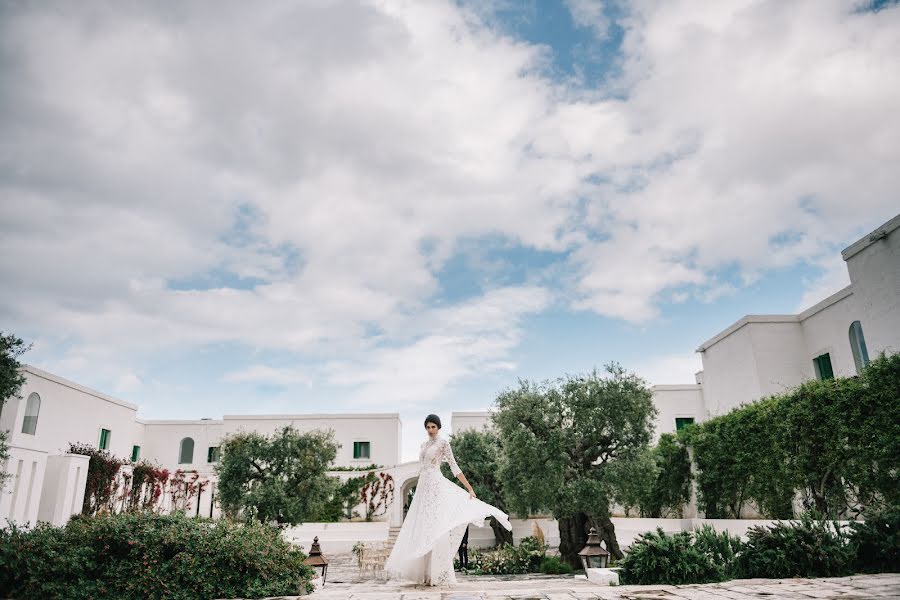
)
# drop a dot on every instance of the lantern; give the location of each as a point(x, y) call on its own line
point(316, 560)
point(593, 556)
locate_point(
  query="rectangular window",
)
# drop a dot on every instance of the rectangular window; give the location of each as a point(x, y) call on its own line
point(212, 454)
point(822, 366)
point(135, 453)
point(104, 439)
point(682, 422)
point(360, 450)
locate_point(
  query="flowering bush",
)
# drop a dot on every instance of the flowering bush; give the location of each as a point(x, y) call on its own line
point(103, 469)
point(144, 555)
point(509, 559)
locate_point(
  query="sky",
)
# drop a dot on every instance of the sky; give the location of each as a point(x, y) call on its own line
point(407, 206)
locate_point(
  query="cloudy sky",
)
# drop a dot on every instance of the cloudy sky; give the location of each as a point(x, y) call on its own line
point(218, 208)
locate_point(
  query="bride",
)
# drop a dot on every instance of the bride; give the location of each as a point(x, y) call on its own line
point(438, 516)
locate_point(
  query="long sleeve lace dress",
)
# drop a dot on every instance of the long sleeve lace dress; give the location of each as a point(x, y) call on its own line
point(436, 521)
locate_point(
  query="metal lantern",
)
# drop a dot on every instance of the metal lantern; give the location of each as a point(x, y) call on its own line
point(593, 556)
point(316, 560)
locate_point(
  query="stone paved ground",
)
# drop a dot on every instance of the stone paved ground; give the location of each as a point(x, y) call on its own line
point(542, 587)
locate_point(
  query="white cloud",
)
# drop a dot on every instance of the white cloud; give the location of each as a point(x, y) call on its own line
point(268, 375)
point(338, 152)
point(670, 368)
point(463, 341)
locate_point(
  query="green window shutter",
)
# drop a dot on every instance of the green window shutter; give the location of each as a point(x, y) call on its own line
point(682, 422)
point(135, 454)
point(360, 450)
point(212, 455)
point(823, 367)
point(104, 439)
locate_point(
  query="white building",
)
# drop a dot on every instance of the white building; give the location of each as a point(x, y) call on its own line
point(762, 355)
point(48, 483)
point(757, 356)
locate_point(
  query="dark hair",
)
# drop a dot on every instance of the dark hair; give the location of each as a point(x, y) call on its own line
point(433, 419)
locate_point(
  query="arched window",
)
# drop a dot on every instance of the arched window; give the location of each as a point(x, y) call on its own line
point(32, 409)
point(186, 451)
point(858, 345)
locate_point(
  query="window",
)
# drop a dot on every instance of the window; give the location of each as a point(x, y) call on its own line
point(682, 422)
point(822, 366)
point(104, 439)
point(135, 453)
point(32, 408)
point(212, 455)
point(186, 451)
point(858, 345)
point(361, 450)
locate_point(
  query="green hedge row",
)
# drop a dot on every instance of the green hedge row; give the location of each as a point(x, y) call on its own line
point(149, 556)
point(835, 444)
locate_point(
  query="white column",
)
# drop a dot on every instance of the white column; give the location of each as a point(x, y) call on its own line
point(65, 479)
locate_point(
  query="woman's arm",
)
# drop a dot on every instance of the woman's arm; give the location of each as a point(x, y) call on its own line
point(448, 456)
point(466, 483)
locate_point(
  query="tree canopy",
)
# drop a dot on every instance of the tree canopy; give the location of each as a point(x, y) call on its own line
point(11, 381)
point(282, 478)
point(478, 455)
point(559, 439)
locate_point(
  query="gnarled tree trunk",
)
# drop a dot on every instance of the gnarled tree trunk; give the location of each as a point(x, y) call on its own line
point(607, 531)
point(502, 535)
point(572, 537)
point(573, 534)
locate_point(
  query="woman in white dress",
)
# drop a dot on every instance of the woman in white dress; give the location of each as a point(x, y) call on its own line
point(438, 516)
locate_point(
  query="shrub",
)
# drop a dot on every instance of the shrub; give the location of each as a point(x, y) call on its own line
point(808, 548)
point(143, 555)
point(876, 542)
point(509, 560)
point(554, 565)
point(721, 547)
point(657, 557)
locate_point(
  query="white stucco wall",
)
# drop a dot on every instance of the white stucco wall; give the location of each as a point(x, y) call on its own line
point(460, 421)
point(381, 430)
point(874, 266)
point(826, 328)
point(677, 401)
point(729, 370)
point(780, 356)
point(162, 442)
point(73, 413)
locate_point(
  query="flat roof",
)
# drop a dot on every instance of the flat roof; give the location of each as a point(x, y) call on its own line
point(872, 237)
point(799, 318)
point(676, 387)
point(77, 386)
point(314, 416)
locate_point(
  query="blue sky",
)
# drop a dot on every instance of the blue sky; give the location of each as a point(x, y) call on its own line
point(406, 207)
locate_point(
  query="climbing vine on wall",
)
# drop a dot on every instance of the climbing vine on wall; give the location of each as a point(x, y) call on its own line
point(377, 494)
point(103, 468)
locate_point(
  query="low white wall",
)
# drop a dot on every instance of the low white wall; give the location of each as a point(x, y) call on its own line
point(339, 538)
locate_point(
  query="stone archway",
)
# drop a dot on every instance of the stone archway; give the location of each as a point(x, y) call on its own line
point(405, 477)
point(404, 493)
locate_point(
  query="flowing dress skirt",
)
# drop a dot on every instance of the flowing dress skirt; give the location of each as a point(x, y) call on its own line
point(434, 527)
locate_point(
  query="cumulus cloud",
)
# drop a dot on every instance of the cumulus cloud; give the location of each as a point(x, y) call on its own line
point(293, 176)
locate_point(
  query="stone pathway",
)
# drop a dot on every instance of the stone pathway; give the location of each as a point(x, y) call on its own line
point(548, 587)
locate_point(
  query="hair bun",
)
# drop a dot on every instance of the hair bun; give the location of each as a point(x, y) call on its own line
point(433, 419)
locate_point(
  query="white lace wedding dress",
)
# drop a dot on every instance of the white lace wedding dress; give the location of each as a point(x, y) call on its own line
point(436, 521)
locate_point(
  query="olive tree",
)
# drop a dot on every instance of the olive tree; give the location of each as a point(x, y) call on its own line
point(478, 455)
point(559, 440)
point(281, 479)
